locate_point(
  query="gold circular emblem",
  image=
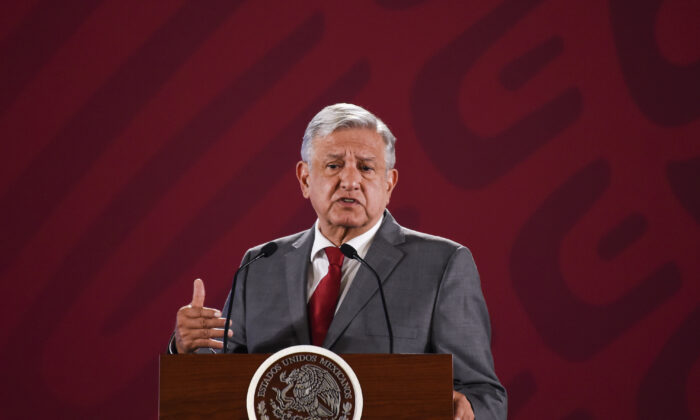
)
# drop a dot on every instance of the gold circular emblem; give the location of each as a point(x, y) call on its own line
point(304, 383)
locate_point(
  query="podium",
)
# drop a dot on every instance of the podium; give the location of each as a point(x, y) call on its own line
point(394, 386)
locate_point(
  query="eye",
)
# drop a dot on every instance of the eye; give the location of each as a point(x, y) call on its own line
point(332, 166)
point(365, 168)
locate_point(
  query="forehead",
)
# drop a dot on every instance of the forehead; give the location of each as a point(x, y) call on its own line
point(356, 141)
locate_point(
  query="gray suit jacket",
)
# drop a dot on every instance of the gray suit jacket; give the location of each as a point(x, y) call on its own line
point(433, 297)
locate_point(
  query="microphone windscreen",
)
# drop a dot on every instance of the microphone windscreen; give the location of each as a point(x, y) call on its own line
point(268, 249)
point(348, 251)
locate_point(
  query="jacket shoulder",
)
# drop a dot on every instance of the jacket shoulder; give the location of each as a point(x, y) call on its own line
point(413, 238)
point(284, 244)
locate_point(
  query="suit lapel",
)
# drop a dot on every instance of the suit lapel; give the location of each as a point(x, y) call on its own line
point(383, 256)
point(297, 262)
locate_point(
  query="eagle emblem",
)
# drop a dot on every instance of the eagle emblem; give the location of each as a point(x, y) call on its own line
point(314, 394)
point(304, 383)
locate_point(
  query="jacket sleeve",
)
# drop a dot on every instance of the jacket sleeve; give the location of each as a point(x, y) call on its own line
point(461, 327)
point(237, 343)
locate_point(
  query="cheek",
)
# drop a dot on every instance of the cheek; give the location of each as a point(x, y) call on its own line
point(320, 195)
point(322, 186)
point(377, 197)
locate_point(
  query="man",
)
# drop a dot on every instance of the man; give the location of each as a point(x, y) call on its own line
point(431, 284)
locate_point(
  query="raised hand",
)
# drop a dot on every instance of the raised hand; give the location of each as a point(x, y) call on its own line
point(197, 326)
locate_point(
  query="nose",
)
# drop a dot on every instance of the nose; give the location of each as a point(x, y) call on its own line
point(350, 178)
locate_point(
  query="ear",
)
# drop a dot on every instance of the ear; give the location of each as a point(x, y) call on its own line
point(392, 177)
point(303, 177)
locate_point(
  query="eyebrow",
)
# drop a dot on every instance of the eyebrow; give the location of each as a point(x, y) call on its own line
point(341, 156)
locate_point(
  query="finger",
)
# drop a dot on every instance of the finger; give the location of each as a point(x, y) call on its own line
point(218, 333)
point(199, 312)
point(198, 294)
point(191, 340)
point(460, 412)
point(192, 335)
point(202, 323)
point(214, 344)
point(462, 408)
point(206, 343)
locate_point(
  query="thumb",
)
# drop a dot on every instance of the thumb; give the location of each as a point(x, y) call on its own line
point(198, 294)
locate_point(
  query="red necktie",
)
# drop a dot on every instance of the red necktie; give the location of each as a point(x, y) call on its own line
point(325, 297)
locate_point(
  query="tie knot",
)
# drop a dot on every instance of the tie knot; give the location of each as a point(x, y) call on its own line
point(335, 256)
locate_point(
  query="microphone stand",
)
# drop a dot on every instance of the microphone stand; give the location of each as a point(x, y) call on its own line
point(351, 252)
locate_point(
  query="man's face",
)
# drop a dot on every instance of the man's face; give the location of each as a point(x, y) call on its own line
point(347, 181)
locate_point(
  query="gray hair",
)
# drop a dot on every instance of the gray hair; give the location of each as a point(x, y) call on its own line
point(342, 116)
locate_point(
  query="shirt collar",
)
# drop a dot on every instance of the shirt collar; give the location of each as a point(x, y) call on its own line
point(360, 243)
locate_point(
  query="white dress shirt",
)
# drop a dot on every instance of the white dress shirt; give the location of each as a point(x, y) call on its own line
point(319, 260)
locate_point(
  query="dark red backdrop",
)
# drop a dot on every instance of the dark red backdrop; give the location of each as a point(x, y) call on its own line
point(148, 143)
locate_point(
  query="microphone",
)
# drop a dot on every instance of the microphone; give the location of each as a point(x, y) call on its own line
point(351, 253)
point(267, 250)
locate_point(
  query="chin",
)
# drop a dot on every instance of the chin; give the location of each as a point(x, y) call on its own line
point(349, 222)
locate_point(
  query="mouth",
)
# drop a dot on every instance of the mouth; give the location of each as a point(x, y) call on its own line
point(347, 201)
